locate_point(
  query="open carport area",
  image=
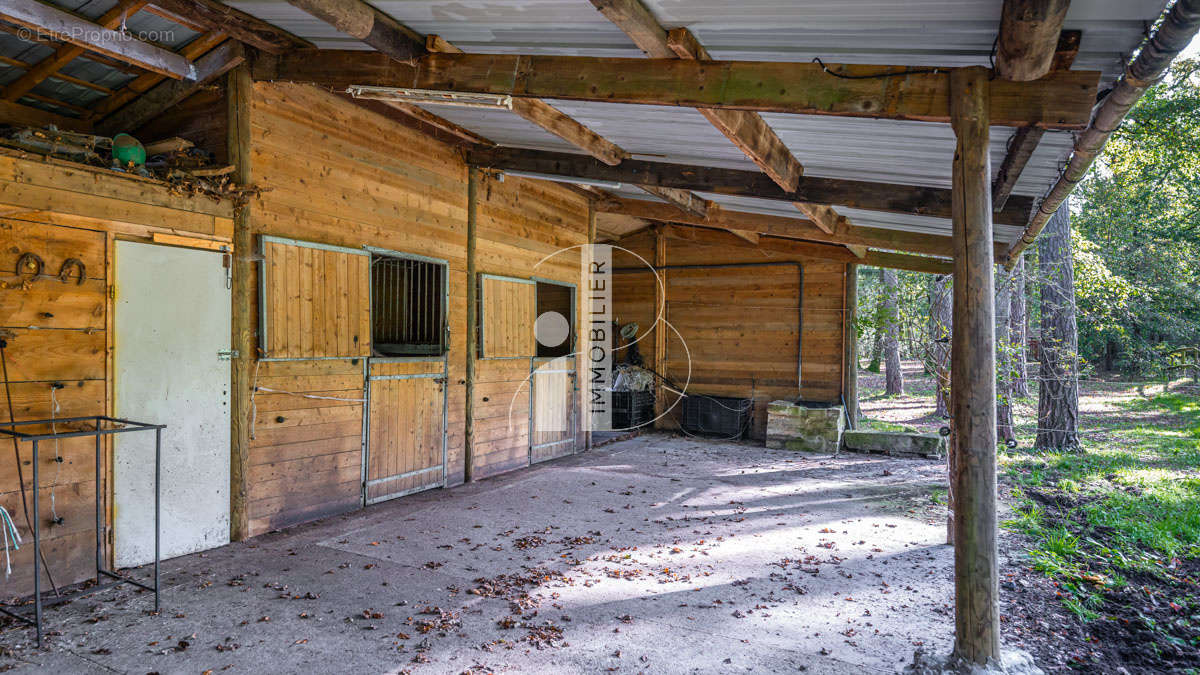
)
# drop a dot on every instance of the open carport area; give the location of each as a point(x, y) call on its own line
point(655, 554)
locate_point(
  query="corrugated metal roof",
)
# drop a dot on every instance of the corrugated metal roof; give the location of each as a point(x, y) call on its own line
point(913, 32)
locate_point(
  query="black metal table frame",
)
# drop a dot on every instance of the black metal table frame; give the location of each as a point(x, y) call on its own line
point(121, 426)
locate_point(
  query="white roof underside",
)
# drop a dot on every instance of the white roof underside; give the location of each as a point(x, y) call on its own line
point(893, 32)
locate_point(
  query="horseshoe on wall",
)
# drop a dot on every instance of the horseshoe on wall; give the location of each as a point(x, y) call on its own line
point(64, 272)
point(29, 260)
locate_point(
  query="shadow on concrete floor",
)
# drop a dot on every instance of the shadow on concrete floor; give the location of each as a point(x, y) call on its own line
point(658, 554)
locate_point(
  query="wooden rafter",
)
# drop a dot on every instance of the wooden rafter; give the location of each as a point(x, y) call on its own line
point(358, 19)
point(97, 38)
point(147, 81)
point(212, 16)
point(695, 206)
point(1029, 31)
point(871, 196)
point(1061, 100)
point(549, 118)
point(685, 201)
point(792, 228)
point(1025, 139)
point(166, 94)
point(401, 44)
point(804, 249)
point(747, 130)
point(17, 63)
point(65, 53)
point(23, 115)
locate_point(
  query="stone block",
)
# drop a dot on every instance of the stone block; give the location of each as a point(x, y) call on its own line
point(795, 427)
point(895, 443)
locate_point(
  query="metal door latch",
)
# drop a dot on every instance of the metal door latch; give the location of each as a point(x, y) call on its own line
point(227, 354)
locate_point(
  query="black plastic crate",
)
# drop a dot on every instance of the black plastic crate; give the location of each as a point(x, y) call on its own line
point(632, 409)
point(717, 415)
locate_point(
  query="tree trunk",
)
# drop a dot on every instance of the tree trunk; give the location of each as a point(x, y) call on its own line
point(1058, 396)
point(1004, 356)
point(1019, 332)
point(877, 340)
point(940, 312)
point(891, 335)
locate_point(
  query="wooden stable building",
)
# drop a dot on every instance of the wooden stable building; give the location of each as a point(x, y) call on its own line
point(353, 320)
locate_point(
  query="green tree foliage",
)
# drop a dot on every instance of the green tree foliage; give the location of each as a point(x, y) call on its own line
point(1137, 232)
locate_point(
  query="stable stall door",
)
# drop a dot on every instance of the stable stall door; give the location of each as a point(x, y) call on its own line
point(406, 441)
point(171, 337)
point(553, 413)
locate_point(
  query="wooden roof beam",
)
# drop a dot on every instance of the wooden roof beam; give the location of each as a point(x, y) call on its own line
point(66, 53)
point(214, 16)
point(1025, 139)
point(871, 196)
point(747, 130)
point(147, 81)
point(788, 248)
point(396, 41)
point(154, 102)
point(1029, 31)
point(551, 119)
point(719, 217)
point(28, 116)
point(1060, 100)
point(682, 199)
point(97, 38)
point(358, 19)
point(691, 205)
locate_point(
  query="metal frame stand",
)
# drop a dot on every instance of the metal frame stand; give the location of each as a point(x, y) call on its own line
point(118, 426)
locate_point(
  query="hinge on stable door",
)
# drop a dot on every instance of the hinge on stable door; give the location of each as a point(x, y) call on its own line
point(227, 354)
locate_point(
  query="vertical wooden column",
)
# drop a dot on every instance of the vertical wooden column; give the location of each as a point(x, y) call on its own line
point(472, 326)
point(239, 91)
point(973, 374)
point(660, 329)
point(850, 344)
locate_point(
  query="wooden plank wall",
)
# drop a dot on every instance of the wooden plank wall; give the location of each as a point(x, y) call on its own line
point(740, 323)
point(305, 454)
point(59, 210)
point(338, 174)
point(363, 179)
point(60, 338)
point(520, 222)
point(199, 118)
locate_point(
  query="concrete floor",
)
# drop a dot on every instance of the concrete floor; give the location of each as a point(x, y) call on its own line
point(658, 554)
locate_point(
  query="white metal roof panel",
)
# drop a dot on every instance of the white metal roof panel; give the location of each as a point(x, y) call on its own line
point(913, 32)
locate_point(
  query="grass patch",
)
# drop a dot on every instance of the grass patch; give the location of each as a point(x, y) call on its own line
point(868, 424)
point(1127, 506)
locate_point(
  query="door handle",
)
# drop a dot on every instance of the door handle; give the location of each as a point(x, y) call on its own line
point(227, 354)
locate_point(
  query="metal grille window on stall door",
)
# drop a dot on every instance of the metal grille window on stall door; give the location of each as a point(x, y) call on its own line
point(407, 306)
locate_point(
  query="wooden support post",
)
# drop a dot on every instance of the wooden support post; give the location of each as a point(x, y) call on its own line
point(850, 343)
point(238, 94)
point(472, 326)
point(973, 375)
point(660, 328)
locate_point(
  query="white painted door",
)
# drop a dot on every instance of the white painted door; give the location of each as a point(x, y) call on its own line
point(172, 317)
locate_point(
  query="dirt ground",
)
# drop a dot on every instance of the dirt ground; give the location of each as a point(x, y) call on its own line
point(659, 554)
point(1138, 625)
